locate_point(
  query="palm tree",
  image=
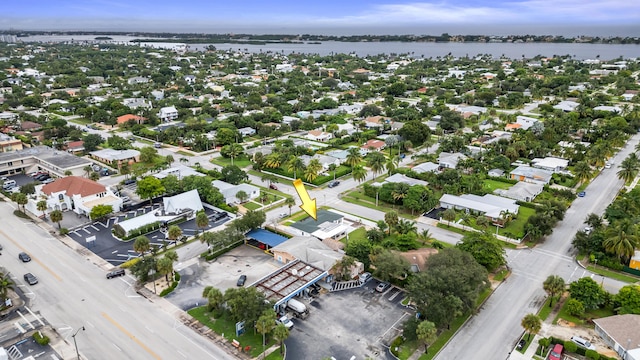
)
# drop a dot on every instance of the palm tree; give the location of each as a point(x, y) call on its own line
point(269, 178)
point(621, 239)
point(354, 157)
point(482, 221)
point(202, 220)
point(233, 151)
point(141, 245)
point(400, 192)
point(290, 202)
point(554, 285)
point(391, 218)
point(42, 206)
point(333, 167)
point(628, 169)
point(214, 297)
point(312, 170)
point(173, 256)
point(6, 284)
point(242, 196)
point(425, 236)
point(531, 324)
point(392, 164)
point(376, 162)
point(449, 215)
point(266, 322)
point(165, 267)
point(594, 221)
point(583, 171)
point(87, 170)
point(56, 217)
point(273, 161)
point(295, 164)
point(280, 334)
point(406, 226)
point(169, 160)
point(20, 199)
point(174, 232)
point(427, 333)
point(359, 173)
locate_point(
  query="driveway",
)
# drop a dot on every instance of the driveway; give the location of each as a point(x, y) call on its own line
point(221, 273)
point(350, 324)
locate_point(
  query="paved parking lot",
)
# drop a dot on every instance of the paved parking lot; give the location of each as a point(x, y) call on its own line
point(115, 251)
point(221, 273)
point(350, 324)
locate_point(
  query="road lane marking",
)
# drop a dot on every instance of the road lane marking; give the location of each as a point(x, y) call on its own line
point(33, 258)
point(131, 336)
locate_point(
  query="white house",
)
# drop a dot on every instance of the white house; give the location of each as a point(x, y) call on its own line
point(247, 131)
point(77, 194)
point(319, 135)
point(168, 113)
point(230, 191)
point(450, 160)
point(491, 206)
point(550, 163)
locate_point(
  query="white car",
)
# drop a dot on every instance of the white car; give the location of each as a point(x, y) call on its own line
point(285, 321)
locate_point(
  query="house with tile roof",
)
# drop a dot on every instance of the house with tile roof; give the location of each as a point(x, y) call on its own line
point(372, 145)
point(531, 174)
point(319, 135)
point(74, 193)
point(130, 117)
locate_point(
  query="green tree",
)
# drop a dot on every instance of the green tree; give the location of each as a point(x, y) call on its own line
point(92, 141)
point(582, 171)
point(391, 218)
point(202, 221)
point(280, 334)
point(588, 292)
point(6, 284)
point(406, 227)
point(390, 265)
point(214, 297)
point(415, 131)
point(627, 300)
point(628, 169)
point(448, 287)
point(554, 286)
point(295, 164)
point(621, 239)
point(141, 245)
point(266, 322)
point(21, 199)
point(94, 176)
point(148, 155)
point(56, 217)
point(449, 215)
point(242, 196)
point(164, 266)
point(359, 249)
point(100, 211)
point(312, 170)
point(174, 232)
point(232, 151)
point(354, 157)
point(531, 324)
point(333, 168)
point(376, 161)
point(359, 173)
point(427, 333)
point(233, 174)
point(575, 307)
point(290, 202)
point(485, 248)
point(149, 187)
point(245, 304)
point(42, 206)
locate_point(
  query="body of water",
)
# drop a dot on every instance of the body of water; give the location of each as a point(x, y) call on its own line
point(415, 49)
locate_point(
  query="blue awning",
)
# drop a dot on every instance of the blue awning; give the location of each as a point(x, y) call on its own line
point(266, 237)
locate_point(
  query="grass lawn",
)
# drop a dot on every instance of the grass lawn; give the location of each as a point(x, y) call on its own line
point(359, 198)
point(358, 234)
point(251, 205)
point(516, 226)
point(613, 274)
point(491, 185)
point(240, 161)
point(184, 153)
point(546, 310)
point(228, 328)
point(275, 356)
point(591, 314)
point(501, 275)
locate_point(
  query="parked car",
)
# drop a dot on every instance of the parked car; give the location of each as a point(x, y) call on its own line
point(583, 343)
point(30, 279)
point(241, 280)
point(334, 183)
point(284, 320)
point(282, 215)
point(24, 257)
point(364, 277)
point(157, 145)
point(587, 230)
point(582, 194)
point(125, 199)
point(42, 177)
point(130, 181)
point(115, 273)
point(48, 180)
point(382, 287)
point(521, 344)
point(556, 352)
point(273, 187)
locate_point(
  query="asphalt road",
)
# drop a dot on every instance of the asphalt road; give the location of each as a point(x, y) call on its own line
point(493, 332)
point(73, 292)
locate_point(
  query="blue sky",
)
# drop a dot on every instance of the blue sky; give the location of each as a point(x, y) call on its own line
point(323, 16)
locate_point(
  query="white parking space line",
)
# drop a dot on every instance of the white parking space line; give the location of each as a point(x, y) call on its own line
point(85, 230)
point(95, 228)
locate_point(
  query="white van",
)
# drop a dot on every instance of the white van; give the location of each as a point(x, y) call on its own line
point(8, 184)
point(582, 342)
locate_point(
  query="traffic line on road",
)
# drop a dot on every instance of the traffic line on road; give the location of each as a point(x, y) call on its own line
point(33, 258)
point(131, 336)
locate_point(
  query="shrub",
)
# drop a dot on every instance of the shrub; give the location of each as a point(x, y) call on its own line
point(64, 231)
point(570, 346)
point(592, 354)
point(575, 307)
point(41, 339)
point(395, 344)
point(130, 263)
point(210, 256)
point(168, 290)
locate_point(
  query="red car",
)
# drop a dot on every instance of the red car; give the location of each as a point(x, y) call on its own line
point(556, 353)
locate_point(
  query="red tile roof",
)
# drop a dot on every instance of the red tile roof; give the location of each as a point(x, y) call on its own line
point(374, 143)
point(124, 118)
point(74, 185)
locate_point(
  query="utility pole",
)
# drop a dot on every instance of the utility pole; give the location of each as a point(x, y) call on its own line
point(75, 343)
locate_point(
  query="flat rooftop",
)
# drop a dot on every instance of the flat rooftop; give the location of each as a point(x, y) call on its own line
point(287, 281)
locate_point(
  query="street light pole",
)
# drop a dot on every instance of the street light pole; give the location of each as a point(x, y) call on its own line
point(75, 343)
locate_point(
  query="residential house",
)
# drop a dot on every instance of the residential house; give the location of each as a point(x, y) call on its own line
point(190, 79)
point(179, 171)
point(134, 103)
point(168, 113)
point(492, 206)
point(401, 178)
point(30, 126)
point(288, 119)
point(75, 193)
point(329, 225)
point(8, 116)
point(137, 80)
point(116, 158)
point(372, 145)
point(374, 122)
point(496, 173)
point(522, 123)
point(552, 164)
point(417, 258)
point(566, 105)
point(450, 160)
point(621, 333)
point(341, 155)
point(247, 131)
point(326, 161)
point(129, 117)
point(230, 191)
point(319, 135)
point(74, 147)
point(425, 167)
point(613, 109)
point(530, 174)
point(9, 143)
point(522, 191)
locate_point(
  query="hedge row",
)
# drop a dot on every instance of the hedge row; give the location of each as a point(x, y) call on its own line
point(174, 284)
point(210, 256)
